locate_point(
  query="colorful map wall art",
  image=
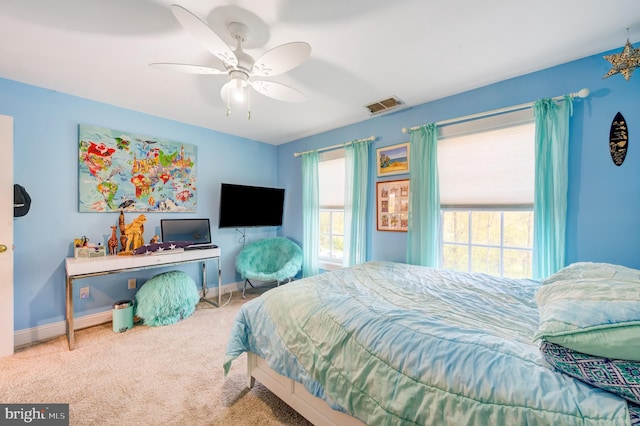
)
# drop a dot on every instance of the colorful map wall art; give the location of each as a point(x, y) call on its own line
point(124, 171)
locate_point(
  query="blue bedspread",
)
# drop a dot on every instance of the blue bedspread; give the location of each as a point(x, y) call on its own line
point(392, 344)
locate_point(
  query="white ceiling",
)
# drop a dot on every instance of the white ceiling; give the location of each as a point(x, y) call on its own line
point(362, 51)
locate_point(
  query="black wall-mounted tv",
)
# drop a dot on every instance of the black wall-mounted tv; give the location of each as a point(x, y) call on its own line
point(243, 206)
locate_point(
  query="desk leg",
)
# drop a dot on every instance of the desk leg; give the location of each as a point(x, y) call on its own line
point(71, 338)
point(204, 287)
point(219, 284)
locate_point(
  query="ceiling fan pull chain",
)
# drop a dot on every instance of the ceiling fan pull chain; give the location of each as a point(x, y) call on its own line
point(248, 103)
point(228, 107)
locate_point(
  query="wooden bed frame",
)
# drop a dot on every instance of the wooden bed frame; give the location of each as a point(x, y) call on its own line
point(295, 395)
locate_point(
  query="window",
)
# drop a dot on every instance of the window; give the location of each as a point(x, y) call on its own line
point(331, 172)
point(496, 242)
point(331, 235)
point(486, 170)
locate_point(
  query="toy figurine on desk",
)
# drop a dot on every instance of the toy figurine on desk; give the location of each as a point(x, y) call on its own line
point(133, 234)
point(123, 237)
point(113, 241)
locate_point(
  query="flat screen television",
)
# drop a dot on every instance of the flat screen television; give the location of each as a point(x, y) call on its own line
point(243, 206)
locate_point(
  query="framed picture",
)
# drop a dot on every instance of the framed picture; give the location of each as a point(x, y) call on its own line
point(392, 205)
point(393, 160)
point(135, 173)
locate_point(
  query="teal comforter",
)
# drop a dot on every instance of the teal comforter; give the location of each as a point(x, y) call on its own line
point(397, 344)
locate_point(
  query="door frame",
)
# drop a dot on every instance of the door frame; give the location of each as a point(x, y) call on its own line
point(6, 237)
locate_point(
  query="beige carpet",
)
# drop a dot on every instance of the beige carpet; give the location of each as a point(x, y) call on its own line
point(170, 375)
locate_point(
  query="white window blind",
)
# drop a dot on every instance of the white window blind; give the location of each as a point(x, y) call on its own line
point(488, 162)
point(331, 180)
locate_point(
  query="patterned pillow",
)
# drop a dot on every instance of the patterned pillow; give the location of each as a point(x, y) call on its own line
point(616, 376)
point(634, 414)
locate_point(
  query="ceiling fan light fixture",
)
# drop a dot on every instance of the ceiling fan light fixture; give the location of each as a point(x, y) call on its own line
point(241, 67)
point(238, 85)
point(238, 88)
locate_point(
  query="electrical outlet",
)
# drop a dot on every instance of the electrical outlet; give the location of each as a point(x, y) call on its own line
point(132, 283)
point(84, 292)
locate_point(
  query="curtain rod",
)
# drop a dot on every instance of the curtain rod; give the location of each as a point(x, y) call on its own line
point(582, 93)
point(341, 145)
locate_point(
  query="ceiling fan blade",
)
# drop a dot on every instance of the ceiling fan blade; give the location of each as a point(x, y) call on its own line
point(281, 59)
point(278, 91)
point(204, 34)
point(187, 68)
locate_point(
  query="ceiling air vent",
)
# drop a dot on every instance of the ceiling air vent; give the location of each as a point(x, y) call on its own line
point(384, 105)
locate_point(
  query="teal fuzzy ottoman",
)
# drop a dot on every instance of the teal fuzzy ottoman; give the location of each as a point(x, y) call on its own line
point(167, 298)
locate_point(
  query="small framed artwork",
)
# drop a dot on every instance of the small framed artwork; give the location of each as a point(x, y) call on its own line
point(393, 160)
point(392, 205)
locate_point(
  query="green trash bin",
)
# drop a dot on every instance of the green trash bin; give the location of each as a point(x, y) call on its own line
point(122, 315)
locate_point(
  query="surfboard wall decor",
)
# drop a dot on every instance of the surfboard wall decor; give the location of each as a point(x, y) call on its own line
point(618, 139)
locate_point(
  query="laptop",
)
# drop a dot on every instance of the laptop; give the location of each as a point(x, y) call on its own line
point(195, 231)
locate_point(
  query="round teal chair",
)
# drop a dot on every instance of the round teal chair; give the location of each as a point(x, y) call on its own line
point(271, 259)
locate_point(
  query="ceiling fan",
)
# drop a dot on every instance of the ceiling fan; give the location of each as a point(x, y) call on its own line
point(239, 66)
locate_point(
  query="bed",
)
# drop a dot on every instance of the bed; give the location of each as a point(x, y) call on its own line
point(385, 343)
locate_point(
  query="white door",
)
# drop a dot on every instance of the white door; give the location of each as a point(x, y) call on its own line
point(6, 235)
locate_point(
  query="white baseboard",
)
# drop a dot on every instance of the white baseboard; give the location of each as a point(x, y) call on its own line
point(49, 331)
point(226, 288)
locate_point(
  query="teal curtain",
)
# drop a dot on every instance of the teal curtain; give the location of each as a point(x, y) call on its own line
point(551, 182)
point(423, 237)
point(356, 195)
point(310, 214)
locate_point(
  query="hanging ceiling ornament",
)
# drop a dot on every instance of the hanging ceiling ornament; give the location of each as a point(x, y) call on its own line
point(624, 62)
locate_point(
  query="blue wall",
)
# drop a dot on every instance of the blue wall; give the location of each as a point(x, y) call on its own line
point(45, 163)
point(604, 200)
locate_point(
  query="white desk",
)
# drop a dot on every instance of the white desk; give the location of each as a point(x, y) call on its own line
point(96, 266)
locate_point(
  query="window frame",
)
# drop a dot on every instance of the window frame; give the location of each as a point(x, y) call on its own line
point(331, 263)
point(469, 243)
